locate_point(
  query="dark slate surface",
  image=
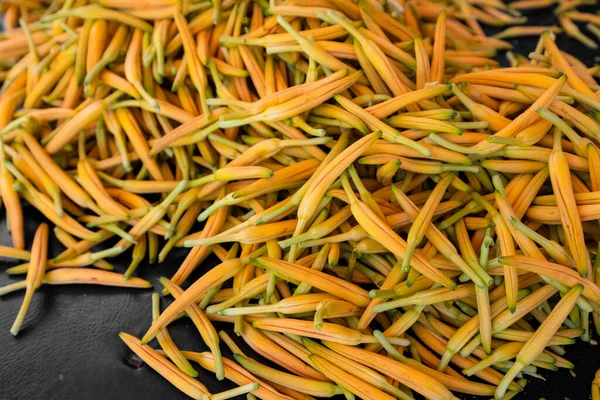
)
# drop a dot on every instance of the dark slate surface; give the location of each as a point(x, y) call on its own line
point(68, 347)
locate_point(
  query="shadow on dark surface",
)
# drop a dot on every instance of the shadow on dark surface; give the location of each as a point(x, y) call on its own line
point(69, 347)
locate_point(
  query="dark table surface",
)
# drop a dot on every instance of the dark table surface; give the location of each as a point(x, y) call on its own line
point(68, 347)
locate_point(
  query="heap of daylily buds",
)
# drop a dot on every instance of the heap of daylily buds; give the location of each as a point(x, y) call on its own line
point(394, 213)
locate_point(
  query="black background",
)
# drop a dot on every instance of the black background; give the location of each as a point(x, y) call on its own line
point(68, 347)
